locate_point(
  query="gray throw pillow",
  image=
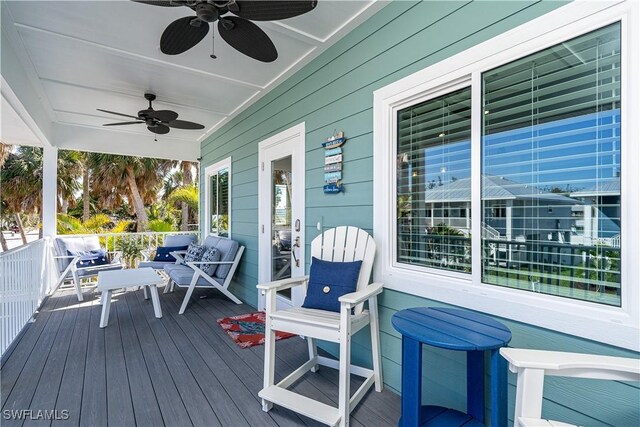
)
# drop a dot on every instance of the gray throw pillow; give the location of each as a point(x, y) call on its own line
point(210, 255)
point(194, 252)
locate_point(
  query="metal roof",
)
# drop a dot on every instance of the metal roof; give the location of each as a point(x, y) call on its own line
point(493, 188)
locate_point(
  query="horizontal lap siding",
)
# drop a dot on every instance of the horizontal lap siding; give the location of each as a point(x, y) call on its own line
point(335, 91)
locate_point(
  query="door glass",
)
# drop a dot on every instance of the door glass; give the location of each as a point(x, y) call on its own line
point(281, 221)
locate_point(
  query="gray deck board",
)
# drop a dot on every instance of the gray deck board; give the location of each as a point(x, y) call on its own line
point(179, 370)
point(94, 393)
point(143, 398)
point(71, 387)
point(119, 402)
point(13, 365)
point(27, 382)
point(47, 391)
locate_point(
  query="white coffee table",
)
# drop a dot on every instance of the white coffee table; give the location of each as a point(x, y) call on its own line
point(119, 279)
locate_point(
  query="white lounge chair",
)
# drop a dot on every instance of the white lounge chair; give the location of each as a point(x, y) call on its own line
point(69, 250)
point(190, 274)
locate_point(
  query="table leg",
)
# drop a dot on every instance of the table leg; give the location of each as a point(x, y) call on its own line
point(145, 292)
point(498, 389)
point(106, 304)
point(156, 301)
point(411, 382)
point(475, 385)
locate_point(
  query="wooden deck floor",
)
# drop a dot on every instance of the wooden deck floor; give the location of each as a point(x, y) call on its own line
point(139, 370)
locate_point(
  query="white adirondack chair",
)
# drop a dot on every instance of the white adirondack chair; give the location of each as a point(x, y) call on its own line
point(531, 366)
point(341, 244)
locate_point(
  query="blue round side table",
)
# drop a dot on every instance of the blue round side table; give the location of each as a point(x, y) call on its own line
point(453, 329)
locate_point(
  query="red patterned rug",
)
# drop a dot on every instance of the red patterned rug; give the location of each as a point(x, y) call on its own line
point(247, 330)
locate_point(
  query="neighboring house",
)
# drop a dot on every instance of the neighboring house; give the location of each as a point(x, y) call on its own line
point(516, 211)
point(598, 224)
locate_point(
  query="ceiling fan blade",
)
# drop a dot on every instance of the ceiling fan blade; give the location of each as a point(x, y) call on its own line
point(183, 124)
point(160, 129)
point(118, 114)
point(163, 3)
point(181, 36)
point(246, 37)
point(272, 10)
point(163, 115)
point(122, 123)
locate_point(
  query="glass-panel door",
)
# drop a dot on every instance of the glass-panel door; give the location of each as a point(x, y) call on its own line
point(281, 213)
point(281, 253)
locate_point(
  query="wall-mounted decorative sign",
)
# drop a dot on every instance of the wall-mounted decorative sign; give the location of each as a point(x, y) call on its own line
point(333, 164)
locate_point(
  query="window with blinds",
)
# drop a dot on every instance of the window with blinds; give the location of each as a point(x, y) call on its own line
point(551, 170)
point(433, 183)
point(219, 208)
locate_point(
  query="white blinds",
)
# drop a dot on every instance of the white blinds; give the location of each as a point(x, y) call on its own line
point(551, 170)
point(433, 192)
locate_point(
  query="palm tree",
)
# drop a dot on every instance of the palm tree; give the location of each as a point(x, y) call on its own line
point(69, 169)
point(138, 178)
point(5, 149)
point(187, 179)
point(85, 161)
point(21, 178)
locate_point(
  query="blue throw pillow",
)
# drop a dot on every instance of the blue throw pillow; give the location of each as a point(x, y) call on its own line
point(194, 252)
point(91, 258)
point(210, 255)
point(328, 281)
point(163, 253)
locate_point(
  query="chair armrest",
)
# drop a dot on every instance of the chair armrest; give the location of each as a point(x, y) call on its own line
point(178, 256)
point(66, 256)
point(279, 285)
point(576, 365)
point(362, 295)
point(146, 254)
point(189, 263)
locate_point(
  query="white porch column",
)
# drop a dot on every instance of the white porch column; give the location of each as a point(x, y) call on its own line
point(49, 190)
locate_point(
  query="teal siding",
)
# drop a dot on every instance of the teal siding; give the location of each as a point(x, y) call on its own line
point(335, 91)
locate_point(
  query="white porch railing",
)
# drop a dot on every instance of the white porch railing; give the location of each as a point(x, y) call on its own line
point(27, 275)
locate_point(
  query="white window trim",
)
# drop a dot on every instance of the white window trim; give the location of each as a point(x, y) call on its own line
point(619, 326)
point(209, 171)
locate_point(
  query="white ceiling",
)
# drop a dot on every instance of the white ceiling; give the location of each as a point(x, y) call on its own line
point(84, 55)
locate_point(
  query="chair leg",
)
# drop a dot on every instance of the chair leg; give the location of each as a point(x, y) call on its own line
point(313, 352)
point(269, 348)
point(187, 296)
point(375, 343)
point(168, 286)
point(76, 281)
point(344, 394)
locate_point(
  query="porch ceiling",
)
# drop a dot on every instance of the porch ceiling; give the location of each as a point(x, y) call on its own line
point(77, 56)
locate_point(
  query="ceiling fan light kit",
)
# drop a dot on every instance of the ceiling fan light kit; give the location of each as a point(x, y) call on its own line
point(157, 121)
point(238, 31)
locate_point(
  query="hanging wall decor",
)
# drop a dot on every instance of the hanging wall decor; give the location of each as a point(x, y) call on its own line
point(333, 164)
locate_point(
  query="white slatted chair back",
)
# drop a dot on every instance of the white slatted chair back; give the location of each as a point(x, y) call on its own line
point(347, 244)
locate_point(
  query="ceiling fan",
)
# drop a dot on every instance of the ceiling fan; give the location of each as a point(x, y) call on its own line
point(157, 121)
point(238, 31)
